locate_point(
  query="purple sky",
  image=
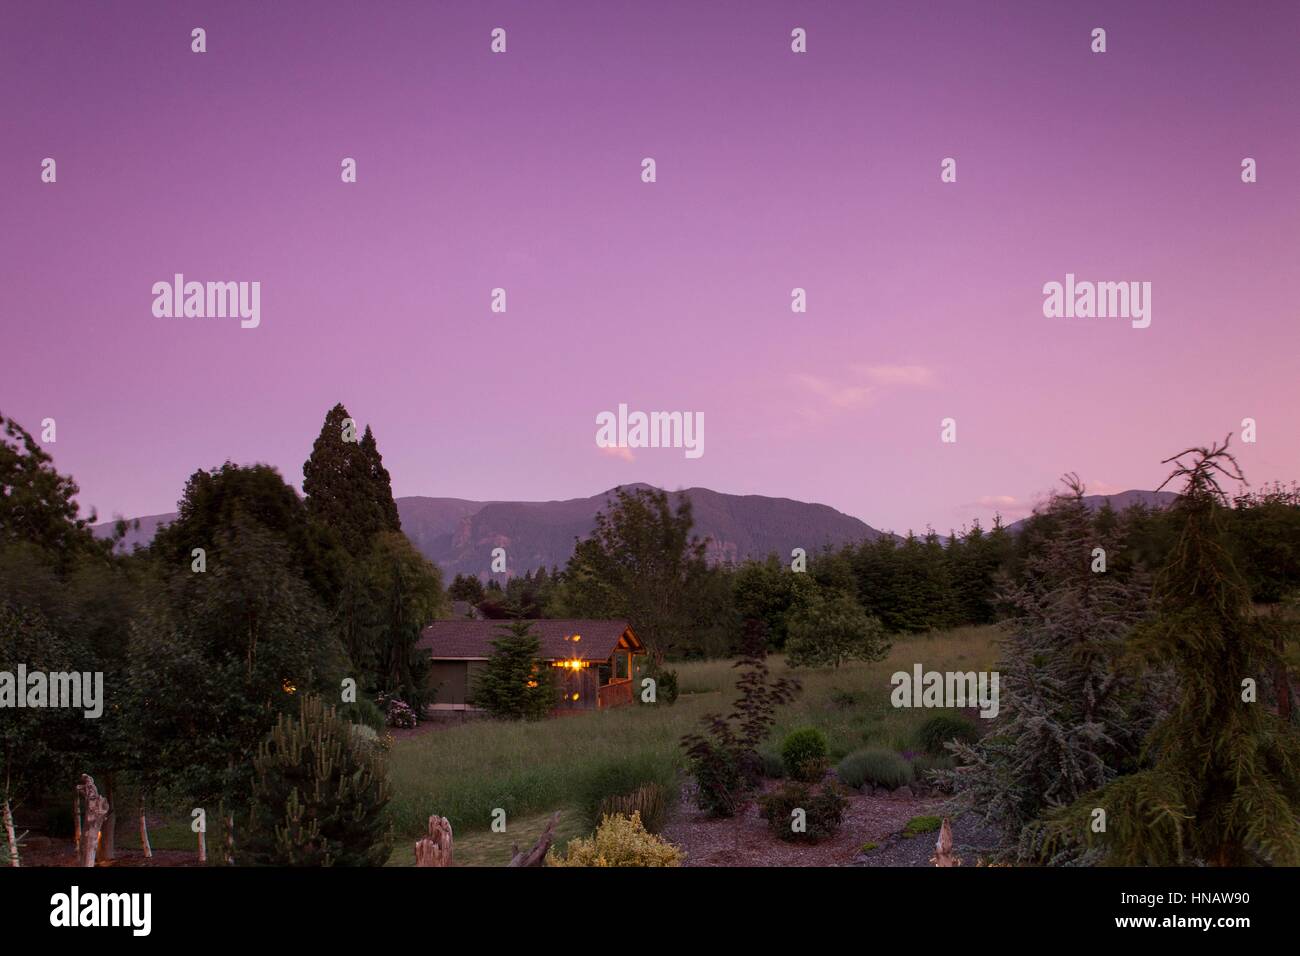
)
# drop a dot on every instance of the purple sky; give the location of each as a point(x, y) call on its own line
point(775, 170)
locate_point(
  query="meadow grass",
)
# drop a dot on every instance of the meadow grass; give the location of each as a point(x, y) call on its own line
point(527, 769)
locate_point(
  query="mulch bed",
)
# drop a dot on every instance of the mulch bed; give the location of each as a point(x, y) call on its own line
point(745, 839)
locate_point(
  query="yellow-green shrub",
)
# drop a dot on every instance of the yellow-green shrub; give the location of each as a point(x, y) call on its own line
point(619, 841)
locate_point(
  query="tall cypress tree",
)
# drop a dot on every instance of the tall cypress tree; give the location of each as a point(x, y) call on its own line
point(339, 482)
point(1224, 784)
point(380, 481)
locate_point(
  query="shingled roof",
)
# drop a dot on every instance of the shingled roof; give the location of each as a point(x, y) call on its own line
point(470, 640)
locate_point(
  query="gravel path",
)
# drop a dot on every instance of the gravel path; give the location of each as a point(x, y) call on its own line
point(971, 839)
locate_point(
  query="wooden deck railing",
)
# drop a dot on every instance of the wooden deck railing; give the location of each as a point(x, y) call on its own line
point(614, 694)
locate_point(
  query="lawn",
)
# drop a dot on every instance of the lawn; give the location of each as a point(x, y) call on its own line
point(529, 769)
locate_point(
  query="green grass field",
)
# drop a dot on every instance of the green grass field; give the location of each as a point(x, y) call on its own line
point(529, 769)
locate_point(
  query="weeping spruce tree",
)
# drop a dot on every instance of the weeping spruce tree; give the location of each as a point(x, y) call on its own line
point(1072, 719)
point(1222, 786)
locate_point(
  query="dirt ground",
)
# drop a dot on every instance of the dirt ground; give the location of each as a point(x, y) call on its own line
point(63, 853)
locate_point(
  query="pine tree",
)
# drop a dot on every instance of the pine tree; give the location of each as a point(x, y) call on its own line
point(514, 684)
point(1071, 718)
point(320, 787)
point(1224, 785)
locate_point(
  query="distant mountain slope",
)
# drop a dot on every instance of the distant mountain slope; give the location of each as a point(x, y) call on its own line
point(135, 536)
point(1151, 499)
point(459, 535)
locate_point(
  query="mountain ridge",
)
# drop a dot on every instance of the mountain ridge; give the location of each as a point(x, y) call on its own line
point(458, 534)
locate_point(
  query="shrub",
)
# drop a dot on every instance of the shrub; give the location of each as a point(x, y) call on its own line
point(619, 841)
point(804, 754)
point(367, 736)
point(941, 728)
point(649, 802)
point(876, 766)
point(666, 684)
point(721, 785)
point(823, 812)
point(918, 825)
point(666, 687)
point(398, 713)
point(724, 756)
point(318, 795)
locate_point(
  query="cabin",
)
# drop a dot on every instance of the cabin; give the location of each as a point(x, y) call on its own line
point(594, 660)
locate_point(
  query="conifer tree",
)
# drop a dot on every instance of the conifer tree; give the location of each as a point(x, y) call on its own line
point(344, 486)
point(381, 482)
point(1071, 719)
point(514, 684)
point(1223, 787)
point(320, 787)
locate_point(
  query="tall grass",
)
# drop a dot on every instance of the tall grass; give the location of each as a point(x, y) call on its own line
point(467, 771)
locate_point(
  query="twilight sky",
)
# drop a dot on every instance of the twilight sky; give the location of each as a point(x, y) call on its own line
point(775, 170)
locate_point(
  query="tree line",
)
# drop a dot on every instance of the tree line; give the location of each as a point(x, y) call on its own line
point(251, 600)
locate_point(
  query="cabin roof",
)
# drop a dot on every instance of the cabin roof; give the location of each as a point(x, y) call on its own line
point(472, 640)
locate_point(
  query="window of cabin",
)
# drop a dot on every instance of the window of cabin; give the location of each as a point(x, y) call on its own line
point(620, 666)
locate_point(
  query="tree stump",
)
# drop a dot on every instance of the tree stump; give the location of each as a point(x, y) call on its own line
point(435, 849)
point(943, 855)
point(96, 814)
point(537, 855)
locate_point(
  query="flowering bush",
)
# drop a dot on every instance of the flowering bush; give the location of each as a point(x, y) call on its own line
point(619, 841)
point(398, 713)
